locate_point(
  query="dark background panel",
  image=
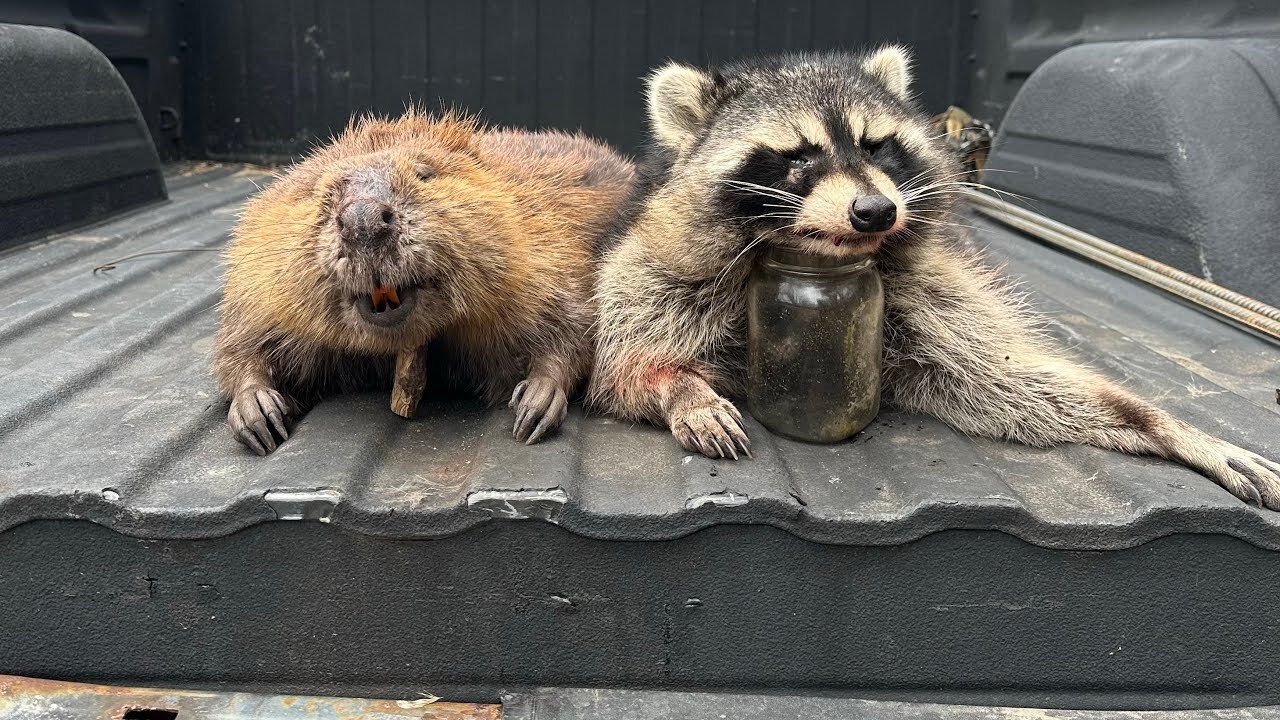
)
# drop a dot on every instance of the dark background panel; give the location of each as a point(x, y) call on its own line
point(262, 80)
point(270, 77)
point(145, 42)
point(574, 64)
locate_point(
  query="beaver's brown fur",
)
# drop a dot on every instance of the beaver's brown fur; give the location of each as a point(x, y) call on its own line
point(486, 239)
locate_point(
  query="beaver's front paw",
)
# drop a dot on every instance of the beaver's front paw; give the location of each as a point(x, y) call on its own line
point(255, 410)
point(713, 429)
point(540, 404)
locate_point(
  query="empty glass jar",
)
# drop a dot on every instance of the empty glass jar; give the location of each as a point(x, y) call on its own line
point(815, 333)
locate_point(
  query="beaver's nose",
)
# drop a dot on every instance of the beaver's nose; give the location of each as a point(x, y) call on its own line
point(366, 221)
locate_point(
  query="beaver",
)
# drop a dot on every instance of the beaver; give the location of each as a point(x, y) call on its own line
point(828, 154)
point(409, 230)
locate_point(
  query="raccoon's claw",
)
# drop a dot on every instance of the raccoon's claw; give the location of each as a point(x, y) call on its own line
point(1249, 476)
point(541, 405)
point(1257, 478)
point(256, 411)
point(715, 430)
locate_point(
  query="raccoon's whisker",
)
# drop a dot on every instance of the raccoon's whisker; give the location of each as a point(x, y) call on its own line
point(787, 202)
point(942, 223)
point(725, 272)
point(977, 186)
point(764, 191)
point(942, 178)
point(923, 175)
point(931, 186)
point(765, 216)
point(935, 193)
point(765, 188)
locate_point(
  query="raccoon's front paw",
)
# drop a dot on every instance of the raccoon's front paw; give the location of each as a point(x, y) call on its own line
point(1250, 477)
point(541, 405)
point(1247, 475)
point(713, 429)
point(255, 411)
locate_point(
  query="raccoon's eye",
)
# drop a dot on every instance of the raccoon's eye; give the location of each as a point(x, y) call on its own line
point(874, 146)
point(801, 161)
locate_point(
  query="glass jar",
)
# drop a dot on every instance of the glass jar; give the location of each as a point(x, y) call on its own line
point(815, 327)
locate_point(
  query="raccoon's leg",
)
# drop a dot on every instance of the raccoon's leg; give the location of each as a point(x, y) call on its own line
point(700, 419)
point(639, 386)
point(257, 407)
point(959, 346)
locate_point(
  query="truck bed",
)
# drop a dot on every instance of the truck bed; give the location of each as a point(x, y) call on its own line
point(143, 544)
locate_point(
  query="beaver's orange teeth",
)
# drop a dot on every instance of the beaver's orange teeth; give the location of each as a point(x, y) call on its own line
point(384, 297)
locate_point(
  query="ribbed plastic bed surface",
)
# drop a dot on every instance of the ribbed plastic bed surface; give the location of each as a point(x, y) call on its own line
point(108, 413)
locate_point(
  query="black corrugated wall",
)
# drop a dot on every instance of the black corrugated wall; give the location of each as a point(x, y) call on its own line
point(262, 79)
point(265, 78)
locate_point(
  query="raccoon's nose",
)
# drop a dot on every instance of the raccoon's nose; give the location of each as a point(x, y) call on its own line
point(872, 213)
point(366, 221)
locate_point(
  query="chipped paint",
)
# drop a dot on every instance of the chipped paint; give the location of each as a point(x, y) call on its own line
point(24, 698)
point(519, 504)
point(314, 504)
point(724, 498)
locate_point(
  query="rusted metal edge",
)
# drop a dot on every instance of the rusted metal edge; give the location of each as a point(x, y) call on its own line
point(1246, 312)
point(23, 698)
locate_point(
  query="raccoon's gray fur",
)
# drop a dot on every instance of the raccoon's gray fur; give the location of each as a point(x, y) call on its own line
point(797, 151)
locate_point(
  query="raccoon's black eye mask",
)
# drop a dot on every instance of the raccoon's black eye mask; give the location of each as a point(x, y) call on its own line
point(803, 156)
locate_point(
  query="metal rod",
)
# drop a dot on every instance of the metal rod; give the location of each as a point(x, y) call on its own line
point(1253, 314)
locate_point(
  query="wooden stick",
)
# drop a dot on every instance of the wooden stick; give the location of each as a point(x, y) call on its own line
point(410, 381)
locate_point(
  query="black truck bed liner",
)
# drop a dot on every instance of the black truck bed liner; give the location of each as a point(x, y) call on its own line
point(910, 559)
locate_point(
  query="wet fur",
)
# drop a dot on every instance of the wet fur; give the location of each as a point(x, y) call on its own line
point(959, 344)
point(505, 239)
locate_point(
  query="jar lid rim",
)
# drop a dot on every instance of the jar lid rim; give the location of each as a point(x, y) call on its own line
point(808, 262)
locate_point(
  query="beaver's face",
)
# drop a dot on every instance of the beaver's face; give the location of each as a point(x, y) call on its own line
point(389, 238)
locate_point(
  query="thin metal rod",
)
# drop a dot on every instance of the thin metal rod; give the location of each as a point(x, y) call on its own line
point(1253, 314)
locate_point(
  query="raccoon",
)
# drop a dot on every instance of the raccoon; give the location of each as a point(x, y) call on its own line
point(828, 154)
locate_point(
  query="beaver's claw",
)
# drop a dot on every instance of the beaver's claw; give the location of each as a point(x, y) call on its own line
point(541, 405)
point(255, 412)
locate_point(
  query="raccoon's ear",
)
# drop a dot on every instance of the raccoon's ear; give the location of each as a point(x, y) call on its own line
point(890, 65)
point(681, 101)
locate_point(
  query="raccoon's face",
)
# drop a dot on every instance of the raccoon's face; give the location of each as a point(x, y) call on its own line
point(820, 153)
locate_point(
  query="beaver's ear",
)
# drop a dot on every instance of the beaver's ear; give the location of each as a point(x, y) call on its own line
point(452, 130)
point(891, 65)
point(682, 101)
point(455, 130)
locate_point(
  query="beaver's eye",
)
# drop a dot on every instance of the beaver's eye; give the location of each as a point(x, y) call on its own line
point(424, 172)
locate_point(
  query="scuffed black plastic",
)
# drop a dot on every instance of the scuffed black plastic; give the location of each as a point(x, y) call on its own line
point(1166, 147)
point(73, 146)
point(140, 544)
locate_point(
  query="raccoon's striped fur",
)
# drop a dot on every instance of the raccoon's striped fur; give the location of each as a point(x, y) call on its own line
point(790, 151)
